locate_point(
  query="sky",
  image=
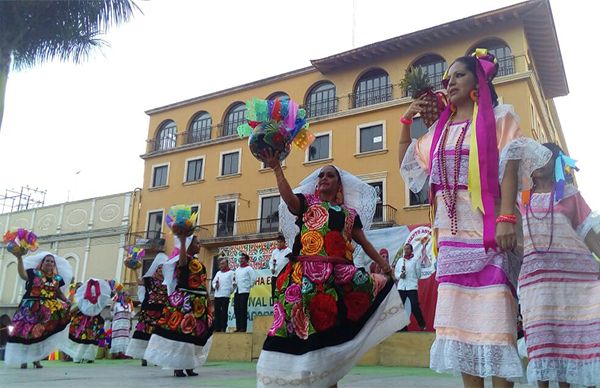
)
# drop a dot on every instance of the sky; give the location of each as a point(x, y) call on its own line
point(77, 130)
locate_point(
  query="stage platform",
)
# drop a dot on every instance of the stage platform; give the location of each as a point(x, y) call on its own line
point(401, 349)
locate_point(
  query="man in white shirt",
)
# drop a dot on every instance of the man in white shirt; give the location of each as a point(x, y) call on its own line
point(245, 277)
point(408, 273)
point(223, 285)
point(278, 261)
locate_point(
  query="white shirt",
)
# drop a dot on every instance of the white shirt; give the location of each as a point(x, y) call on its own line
point(245, 277)
point(225, 280)
point(280, 260)
point(413, 273)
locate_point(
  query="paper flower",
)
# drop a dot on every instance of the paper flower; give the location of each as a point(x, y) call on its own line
point(20, 241)
point(181, 220)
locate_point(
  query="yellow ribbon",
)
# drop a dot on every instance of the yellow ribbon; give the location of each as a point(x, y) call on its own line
point(474, 179)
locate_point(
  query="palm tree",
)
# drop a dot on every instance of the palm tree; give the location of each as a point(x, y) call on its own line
point(36, 31)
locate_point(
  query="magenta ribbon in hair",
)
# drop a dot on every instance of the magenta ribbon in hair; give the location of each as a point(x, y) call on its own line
point(487, 190)
point(92, 297)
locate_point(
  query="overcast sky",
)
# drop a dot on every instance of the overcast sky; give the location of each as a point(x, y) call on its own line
point(77, 130)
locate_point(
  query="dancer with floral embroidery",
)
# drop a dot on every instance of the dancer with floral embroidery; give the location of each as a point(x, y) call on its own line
point(39, 325)
point(183, 335)
point(559, 282)
point(327, 312)
point(476, 311)
point(87, 325)
point(153, 295)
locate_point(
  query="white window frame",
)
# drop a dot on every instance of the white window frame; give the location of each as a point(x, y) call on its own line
point(199, 210)
point(260, 199)
point(371, 124)
point(185, 168)
point(154, 167)
point(235, 218)
point(329, 156)
point(148, 220)
point(239, 151)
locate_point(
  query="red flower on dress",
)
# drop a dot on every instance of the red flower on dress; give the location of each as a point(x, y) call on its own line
point(195, 280)
point(323, 311)
point(300, 321)
point(283, 276)
point(357, 303)
point(188, 323)
point(335, 244)
point(175, 319)
point(315, 217)
point(37, 330)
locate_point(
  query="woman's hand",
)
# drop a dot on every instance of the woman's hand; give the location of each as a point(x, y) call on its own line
point(506, 236)
point(271, 158)
point(417, 106)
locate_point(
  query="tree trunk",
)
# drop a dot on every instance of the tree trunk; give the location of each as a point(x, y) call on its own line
point(4, 69)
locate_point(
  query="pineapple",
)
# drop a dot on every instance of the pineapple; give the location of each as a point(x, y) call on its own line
point(416, 83)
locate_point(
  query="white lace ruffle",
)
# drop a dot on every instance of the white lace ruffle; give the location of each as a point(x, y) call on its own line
point(592, 222)
point(326, 366)
point(450, 356)
point(358, 195)
point(79, 351)
point(136, 348)
point(87, 307)
point(172, 354)
point(414, 175)
point(582, 372)
point(531, 156)
point(17, 354)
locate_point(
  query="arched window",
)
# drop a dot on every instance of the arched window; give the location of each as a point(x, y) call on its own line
point(200, 128)
point(167, 136)
point(321, 100)
point(373, 87)
point(434, 66)
point(503, 54)
point(234, 118)
point(279, 95)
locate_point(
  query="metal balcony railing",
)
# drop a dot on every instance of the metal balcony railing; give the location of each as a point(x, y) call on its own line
point(198, 135)
point(151, 241)
point(385, 216)
point(371, 96)
point(322, 107)
point(506, 66)
point(232, 229)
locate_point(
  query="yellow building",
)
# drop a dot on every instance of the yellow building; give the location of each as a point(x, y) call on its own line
point(354, 102)
point(91, 234)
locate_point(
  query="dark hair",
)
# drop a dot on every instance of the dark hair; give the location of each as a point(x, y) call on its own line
point(556, 150)
point(409, 245)
point(244, 255)
point(281, 238)
point(471, 64)
point(191, 245)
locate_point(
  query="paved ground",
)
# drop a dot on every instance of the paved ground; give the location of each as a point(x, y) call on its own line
point(128, 373)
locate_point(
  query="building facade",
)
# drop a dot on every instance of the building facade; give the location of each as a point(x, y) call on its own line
point(91, 234)
point(354, 102)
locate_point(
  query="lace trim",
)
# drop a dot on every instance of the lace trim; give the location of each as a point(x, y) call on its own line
point(531, 156)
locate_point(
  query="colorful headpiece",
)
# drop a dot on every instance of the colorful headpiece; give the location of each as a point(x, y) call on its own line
point(483, 156)
point(563, 165)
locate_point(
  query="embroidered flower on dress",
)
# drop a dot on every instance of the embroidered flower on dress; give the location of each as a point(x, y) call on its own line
point(317, 272)
point(176, 298)
point(278, 318)
point(188, 323)
point(307, 285)
point(297, 273)
point(300, 321)
point(343, 273)
point(360, 277)
point(323, 311)
point(175, 319)
point(187, 304)
point(198, 307)
point(315, 217)
point(195, 266)
point(293, 294)
point(335, 245)
point(312, 243)
point(357, 303)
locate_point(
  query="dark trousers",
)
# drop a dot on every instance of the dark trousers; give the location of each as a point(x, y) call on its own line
point(273, 285)
point(240, 307)
point(221, 306)
point(413, 296)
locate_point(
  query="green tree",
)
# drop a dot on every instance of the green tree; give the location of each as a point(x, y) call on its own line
point(36, 31)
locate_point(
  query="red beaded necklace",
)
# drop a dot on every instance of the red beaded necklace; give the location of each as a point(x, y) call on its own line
point(450, 190)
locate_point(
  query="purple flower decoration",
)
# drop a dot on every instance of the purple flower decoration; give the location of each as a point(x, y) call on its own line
point(200, 327)
point(343, 273)
point(176, 298)
point(293, 293)
point(187, 304)
point(317, 272)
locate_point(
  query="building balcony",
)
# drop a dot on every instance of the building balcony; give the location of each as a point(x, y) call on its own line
point(322, 107)
point(151, 241)
point(258, 229)
point(371, 96)
point(385, 216)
